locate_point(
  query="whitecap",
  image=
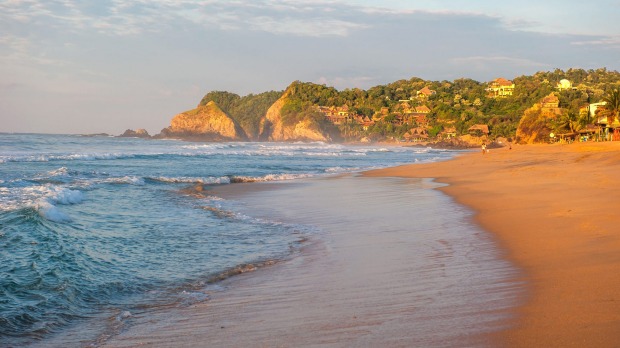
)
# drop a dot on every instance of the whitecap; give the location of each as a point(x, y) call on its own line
point(192, 180)
point(269, 177)
point(50, 212)
point(58, 172)
point(62, 195)
point(131, 180)
point(341, 169)
point(57, 195)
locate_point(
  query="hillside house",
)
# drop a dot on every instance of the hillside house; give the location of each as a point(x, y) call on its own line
point(423, 109)
point(336, 115)
point(448, 133)
point(611, 129)
point(551, 103)
point(420, 119)
point(405, 108)
point(478, 130)
point(425, 93)
point(500, 87)
point(592, 108)
point(366, 122)
point(416, 134)
point(419, 115)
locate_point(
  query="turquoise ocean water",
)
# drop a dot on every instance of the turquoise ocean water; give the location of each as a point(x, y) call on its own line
point(97, 228)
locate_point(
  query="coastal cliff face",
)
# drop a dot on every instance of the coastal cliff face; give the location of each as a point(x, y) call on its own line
point(535, 125)
point(273, 128)
point(208, 122)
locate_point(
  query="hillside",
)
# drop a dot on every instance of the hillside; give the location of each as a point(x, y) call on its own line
point(246, 111)
point(420, 110)
point(291, 119)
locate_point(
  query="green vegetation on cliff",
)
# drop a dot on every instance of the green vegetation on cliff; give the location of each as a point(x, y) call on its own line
point(385, 111)
point(247, 111)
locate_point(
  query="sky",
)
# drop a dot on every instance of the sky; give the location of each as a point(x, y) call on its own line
point(84, 67)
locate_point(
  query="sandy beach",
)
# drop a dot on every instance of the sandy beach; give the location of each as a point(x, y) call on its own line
point(550, 210)
point(555, 211)
point(392, 263)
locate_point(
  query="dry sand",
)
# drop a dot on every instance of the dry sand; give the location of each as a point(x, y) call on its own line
point(556, 210)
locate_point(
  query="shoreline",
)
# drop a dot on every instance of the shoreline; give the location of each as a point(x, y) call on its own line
point(553, 209)
point(364, 280)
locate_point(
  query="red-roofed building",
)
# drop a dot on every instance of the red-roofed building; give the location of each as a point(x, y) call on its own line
point(422, 109)
point(425, 92)
point(479, 129)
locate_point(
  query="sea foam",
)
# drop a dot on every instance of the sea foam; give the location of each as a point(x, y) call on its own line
point(192, 180)
point(53, 195)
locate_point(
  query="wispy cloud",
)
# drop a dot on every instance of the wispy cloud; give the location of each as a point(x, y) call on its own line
point(610, 42)
point(15, 50)
point(122, 18)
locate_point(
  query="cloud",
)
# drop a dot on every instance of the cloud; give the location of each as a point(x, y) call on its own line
point(21, 51)
point(127, 18)
point(305, 18)
point(610, 42)
point(135, 59)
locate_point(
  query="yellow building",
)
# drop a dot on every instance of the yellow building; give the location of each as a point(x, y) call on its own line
point(500, 87)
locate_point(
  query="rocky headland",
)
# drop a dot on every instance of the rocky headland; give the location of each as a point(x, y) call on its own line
point(206, 122)
point(281, 121)
point(546, 107)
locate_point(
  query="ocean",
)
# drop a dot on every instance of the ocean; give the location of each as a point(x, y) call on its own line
point(95, 229)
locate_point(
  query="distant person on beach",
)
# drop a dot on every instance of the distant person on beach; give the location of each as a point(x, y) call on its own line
point(484, 148)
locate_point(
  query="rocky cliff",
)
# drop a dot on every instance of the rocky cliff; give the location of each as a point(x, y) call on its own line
point(287, 119)
point(206, 122)
point(273, 128)
point(535, 125)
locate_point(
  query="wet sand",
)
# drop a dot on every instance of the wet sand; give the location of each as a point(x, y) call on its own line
point(392, 263)
point(555, 209)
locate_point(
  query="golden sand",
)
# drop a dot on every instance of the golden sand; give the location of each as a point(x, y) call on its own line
point(556, 210)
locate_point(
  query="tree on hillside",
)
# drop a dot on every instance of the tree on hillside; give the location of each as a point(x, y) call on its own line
point(568, 121)
point(612, 108)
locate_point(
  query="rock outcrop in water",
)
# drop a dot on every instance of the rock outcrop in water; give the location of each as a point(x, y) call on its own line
point(139, 133)
point(207, 122)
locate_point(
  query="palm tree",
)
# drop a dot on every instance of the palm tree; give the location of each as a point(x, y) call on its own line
point(612, 108)
point(570, 121)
